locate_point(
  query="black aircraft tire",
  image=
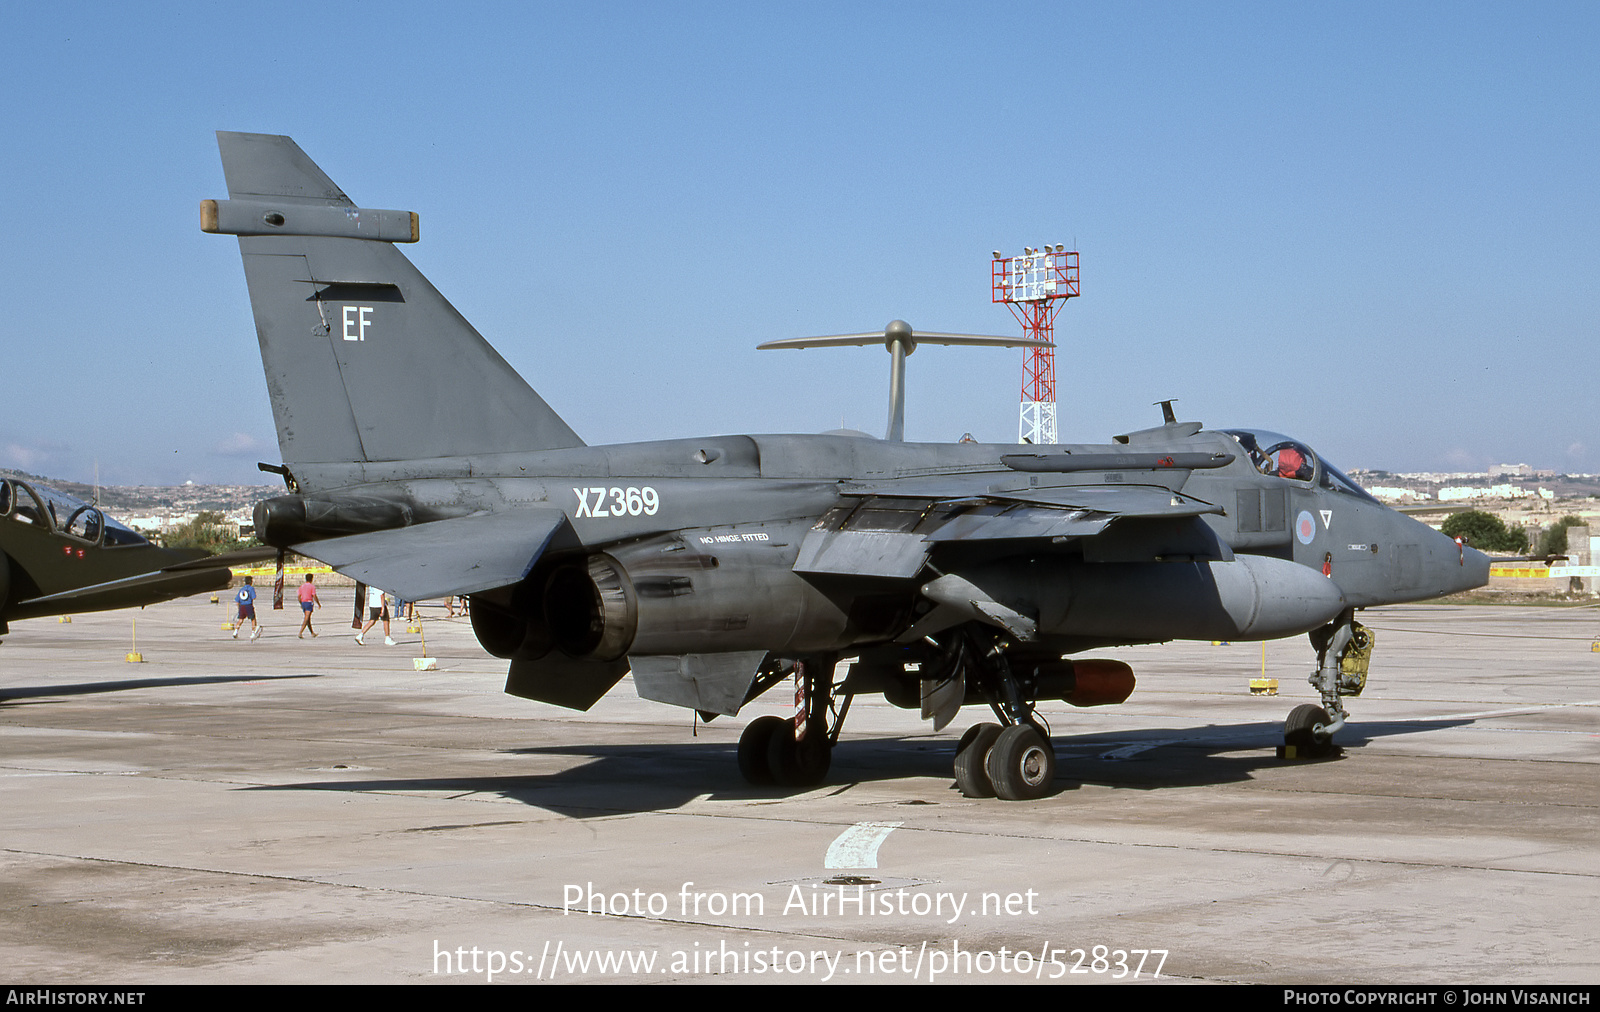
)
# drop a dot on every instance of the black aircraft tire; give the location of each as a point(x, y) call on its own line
point(969, 734)
point(753, 745)
point(1297, 730)
point(973, 751)
point(797, 763)
point(1022, 766)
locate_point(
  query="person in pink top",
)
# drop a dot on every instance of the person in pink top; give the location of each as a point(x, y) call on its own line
point(308, 601)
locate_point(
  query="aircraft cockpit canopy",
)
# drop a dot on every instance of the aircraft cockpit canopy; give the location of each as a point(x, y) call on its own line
point(62, 514)
point(1276, 454)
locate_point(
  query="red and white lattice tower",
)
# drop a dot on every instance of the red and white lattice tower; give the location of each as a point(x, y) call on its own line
point(1034, 286)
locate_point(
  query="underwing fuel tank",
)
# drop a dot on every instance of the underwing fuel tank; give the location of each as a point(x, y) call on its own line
point(1253, 597)
point(1085, 681)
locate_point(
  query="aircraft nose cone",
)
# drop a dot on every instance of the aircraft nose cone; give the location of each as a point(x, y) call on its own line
point(1474, 569)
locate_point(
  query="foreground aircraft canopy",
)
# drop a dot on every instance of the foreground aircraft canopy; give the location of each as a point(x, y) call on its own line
point(60, 556)
point(418, 461)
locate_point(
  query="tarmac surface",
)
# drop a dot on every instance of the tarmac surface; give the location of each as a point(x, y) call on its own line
point(295, 811)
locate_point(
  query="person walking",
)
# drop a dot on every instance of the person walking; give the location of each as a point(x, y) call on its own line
point(246, 599)
point(377, 611)
point(308, 601)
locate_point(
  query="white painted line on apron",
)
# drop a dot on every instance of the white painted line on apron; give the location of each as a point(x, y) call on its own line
point(857, 847)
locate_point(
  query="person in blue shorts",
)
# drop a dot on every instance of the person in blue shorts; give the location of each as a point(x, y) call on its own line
point(308, 600)
point(247, 609)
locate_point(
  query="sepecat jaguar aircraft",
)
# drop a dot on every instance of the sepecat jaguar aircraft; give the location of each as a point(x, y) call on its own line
point(713, 569)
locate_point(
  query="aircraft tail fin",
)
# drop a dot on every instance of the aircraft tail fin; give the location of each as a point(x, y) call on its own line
point(365, 360)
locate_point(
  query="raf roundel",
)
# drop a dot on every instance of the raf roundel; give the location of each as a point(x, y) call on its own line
point(1305, 528)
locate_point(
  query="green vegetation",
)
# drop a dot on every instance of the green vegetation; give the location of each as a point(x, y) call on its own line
point(209, 530)
point(1486, 532)
point(1554, 540)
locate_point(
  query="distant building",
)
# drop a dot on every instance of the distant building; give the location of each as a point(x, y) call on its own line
point(1455, 493)
point(1394, 494)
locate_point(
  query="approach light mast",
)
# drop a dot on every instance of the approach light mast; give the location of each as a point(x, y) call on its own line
point(1034, 286)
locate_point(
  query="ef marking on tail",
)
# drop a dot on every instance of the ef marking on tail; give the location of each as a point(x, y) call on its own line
point(365, 360)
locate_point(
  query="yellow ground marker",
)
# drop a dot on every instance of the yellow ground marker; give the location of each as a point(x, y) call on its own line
point(1263, 686)
point(134, 656)
point(423, 663)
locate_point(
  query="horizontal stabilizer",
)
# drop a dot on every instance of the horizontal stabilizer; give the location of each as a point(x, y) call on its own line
point(561, 681)
point(715, 683)
point(464, 555)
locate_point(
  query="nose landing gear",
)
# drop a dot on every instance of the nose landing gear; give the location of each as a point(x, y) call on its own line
point(1344, 647)
point(1306, 732)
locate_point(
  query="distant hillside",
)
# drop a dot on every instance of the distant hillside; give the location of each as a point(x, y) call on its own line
point(119, 500)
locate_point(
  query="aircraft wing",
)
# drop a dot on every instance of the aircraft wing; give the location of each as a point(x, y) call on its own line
point(1152, 495)
point(195, 577)
point(888, 530)
point(463, 555)
point(171, 580)
point(235, 558)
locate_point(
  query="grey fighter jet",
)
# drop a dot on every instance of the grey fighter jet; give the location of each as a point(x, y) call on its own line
point(713, 569)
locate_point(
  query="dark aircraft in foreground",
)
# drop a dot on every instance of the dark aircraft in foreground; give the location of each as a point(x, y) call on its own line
point(62, 556)
point(713, 569)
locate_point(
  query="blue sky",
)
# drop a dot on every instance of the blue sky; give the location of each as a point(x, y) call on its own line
point(1374, 226)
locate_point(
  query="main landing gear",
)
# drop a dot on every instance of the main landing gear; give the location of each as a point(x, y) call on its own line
point(798, 751)
point(1344, 648)
point(1015, 760)
point(1014, 763)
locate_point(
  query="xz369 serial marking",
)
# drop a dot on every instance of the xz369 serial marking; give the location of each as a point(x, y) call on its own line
point(600, 501)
